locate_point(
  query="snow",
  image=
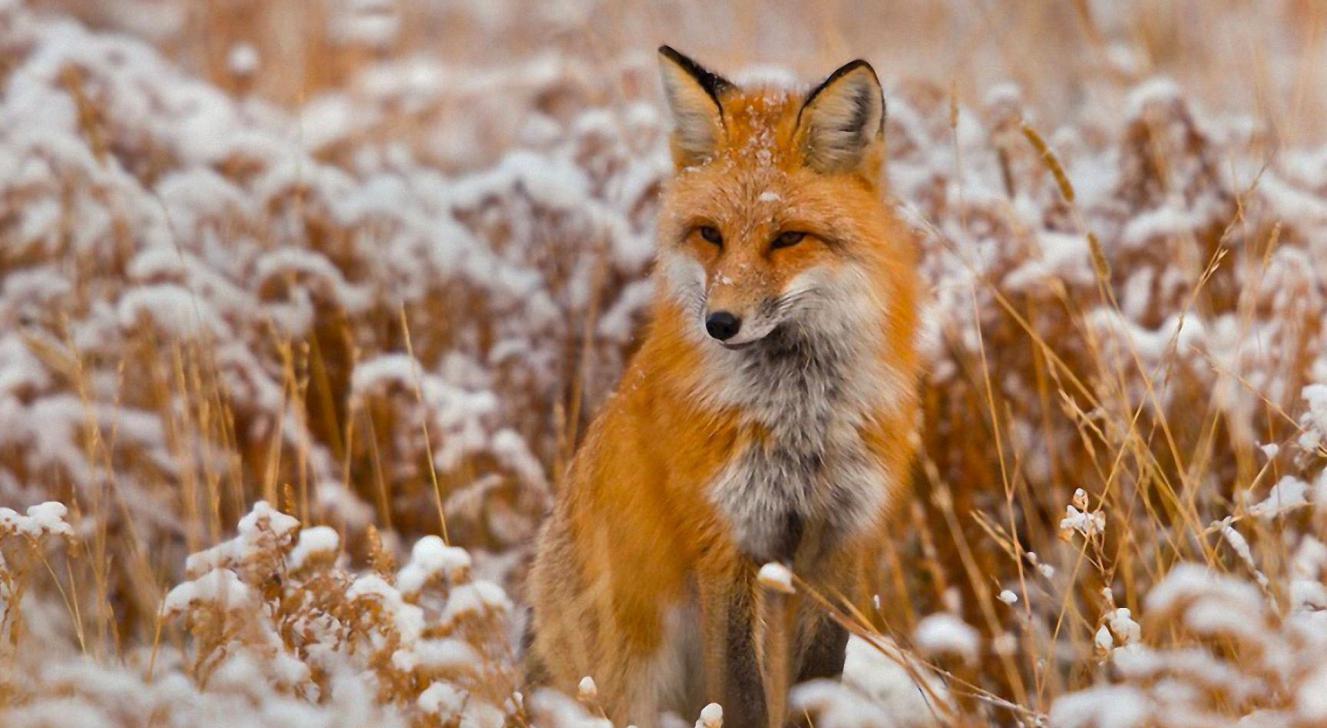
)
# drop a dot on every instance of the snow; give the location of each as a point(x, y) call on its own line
point(1085, 523)
point(41, 520)
point(407, 618)
point(1125, 629)
point(1288, 494)
point(173, 309)
point(1314, 420)
point(586, 690)
point(711, 716)
point(443, 700)
point(1102, 707)
point(430, 558)
point(315, 541)
point(259, 529)
point(1173, 219)
point(186, 270)
point(263, 518)
point(436, 655)
point(1312, 697)
point(364, 635)
point(1156, 91)
point(1188, 582)
point(947, 634)
point(1057, 255)
point(1103, 639)
point(879, 688)
point(1290, 202)
point(474, 598)
point(556, 710)
point(776, 577)
point(1240, 546)
point(221, 587)
point(242, 60)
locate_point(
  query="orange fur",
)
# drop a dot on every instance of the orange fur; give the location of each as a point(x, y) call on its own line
point(635, 540)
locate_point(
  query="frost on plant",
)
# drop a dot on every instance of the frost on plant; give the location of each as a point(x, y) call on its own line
point(280, 633)
point(287, 378)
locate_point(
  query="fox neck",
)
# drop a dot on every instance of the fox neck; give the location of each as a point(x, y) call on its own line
point(821, 367)
point(793, 382)
point(806, 391)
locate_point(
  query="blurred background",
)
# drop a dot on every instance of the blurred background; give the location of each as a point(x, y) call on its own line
point(1264, 59)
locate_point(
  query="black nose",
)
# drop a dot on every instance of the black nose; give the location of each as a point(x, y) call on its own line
point(722, 325)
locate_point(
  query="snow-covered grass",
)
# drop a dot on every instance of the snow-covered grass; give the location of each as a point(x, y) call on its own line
point(292, 354)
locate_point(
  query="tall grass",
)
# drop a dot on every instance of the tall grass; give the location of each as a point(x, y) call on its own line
point(367, 267)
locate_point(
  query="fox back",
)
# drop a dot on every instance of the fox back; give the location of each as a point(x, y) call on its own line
point(768, 416)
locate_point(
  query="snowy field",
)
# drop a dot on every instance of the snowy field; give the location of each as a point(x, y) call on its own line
point(304, 303)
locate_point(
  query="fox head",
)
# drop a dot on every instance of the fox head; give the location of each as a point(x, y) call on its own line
point(775, 218)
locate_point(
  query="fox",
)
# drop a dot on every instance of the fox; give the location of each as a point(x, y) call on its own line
point(768, 415)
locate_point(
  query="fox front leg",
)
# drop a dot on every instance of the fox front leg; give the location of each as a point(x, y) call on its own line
point(732, 672)
point(774, 627)
point(825, 651)
point(745, 684)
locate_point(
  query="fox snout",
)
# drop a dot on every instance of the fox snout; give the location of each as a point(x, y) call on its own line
point(735, 324)
point(722, 325)
point(737, 313)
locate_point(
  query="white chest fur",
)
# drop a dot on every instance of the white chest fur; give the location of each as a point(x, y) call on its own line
point(813, 394)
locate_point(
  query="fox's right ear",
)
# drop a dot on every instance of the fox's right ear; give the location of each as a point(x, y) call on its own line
point(693, 96)
point(842, 122)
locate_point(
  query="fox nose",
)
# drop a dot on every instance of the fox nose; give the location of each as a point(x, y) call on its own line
point(722, 325)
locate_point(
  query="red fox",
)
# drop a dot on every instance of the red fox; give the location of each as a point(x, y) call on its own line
point(768, 415)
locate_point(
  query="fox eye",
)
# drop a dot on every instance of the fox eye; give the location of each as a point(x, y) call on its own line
point(787, 239)
point(711, 234)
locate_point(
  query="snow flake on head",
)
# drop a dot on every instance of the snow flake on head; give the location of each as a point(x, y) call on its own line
point(760, 123)
point(770, 79)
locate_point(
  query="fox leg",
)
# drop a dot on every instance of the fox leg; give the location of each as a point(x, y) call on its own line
point(746, 688)
point(732, 672)
point(777, 617)
point(824, 651)
point(843, 575)
point(633, 696)
point(774, 627)
point(640, 668)
point(715, 604)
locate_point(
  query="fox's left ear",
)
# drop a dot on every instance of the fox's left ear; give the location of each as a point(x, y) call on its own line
point(693, 94)
point(842, 122)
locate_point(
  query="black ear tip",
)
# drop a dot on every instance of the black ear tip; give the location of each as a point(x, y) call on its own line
point(713, 83)
point(854, 65)
point(839, 73)
point(673, 55)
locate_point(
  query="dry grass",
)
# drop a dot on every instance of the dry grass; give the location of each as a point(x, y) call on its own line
point(381, 279)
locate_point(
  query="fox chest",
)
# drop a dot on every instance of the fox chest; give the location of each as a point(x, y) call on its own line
point(775, 492)
point(810, 472)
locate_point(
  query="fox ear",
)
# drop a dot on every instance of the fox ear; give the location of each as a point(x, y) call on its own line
point(693, 97)
point(842, 120)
